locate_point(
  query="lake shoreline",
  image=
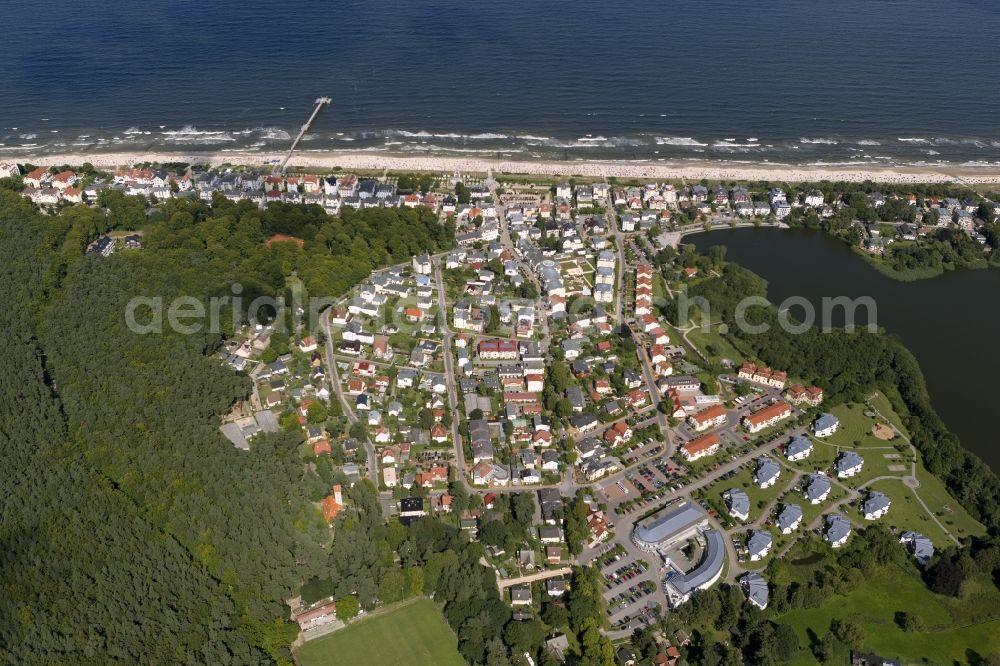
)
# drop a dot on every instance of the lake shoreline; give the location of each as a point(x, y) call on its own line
point(811, 264)
point(637, 169)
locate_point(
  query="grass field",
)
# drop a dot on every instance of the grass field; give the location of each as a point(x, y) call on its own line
point(954, 626)
point(415, 634)
point(945, 507)
point(709, 341)
point(882, 404)
point(820, 460)
point(855, 428)
point(906, 513)
point(744, 480)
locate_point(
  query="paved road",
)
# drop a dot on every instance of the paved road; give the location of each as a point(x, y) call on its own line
point(504, 583)
point(612, 221)
point(334, 378)
point(449, 372)
point(673, 238)
point(655, 398)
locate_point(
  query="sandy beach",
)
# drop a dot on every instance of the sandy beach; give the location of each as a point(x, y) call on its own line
point(375, 160)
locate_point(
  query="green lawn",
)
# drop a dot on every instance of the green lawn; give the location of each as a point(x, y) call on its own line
point(945, 507)
point(744, 480)
point(906, 513)
point(712, 343)
point(820, 460)
point(882, 404)
point(659, 286)
point(953, 625)
point(876, 465)
point(855, 428)
point(415, 634)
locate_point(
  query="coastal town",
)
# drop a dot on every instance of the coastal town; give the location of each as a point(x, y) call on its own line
point(500, 334)
point(659, 206)
point(533, 359)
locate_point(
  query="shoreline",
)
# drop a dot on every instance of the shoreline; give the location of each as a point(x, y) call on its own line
point(666, 170)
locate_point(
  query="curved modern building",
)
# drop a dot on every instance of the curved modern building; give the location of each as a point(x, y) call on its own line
point(679, 588)
point(668, 526)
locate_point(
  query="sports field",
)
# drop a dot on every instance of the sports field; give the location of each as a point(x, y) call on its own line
point(415, 634)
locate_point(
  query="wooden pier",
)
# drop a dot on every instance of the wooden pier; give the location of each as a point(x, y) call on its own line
point(320, 103)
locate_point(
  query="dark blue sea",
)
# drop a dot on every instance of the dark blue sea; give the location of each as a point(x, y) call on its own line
point(866, 81)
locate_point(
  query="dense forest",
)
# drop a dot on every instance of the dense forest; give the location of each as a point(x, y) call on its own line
point(133, 531)
point(850, 365)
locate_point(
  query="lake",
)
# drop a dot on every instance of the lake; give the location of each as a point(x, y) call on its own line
point(948, 322)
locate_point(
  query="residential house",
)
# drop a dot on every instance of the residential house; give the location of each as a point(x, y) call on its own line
point(708, 418)
point(737, 503)
point(701, 447)
point(848, 464)
point(798, 448)
point(817, 488)
point(875, 505)
point(767, 416)
point(825, 425)
point(789, 518)
point(838, 529)
point(759, 545)
point(767, 473)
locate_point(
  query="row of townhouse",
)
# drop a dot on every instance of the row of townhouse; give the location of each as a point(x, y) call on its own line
point(763, 375)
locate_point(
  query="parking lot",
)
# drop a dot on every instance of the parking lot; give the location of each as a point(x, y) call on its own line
point(617, 491)
point(639, 450)
point(630, 584)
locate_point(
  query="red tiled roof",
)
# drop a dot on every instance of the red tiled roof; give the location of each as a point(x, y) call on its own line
point(703, 443)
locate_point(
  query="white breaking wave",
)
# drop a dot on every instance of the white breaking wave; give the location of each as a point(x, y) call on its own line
point(678, 141)
point(819, 141)
point(190, 130)
point(733, 145)
point(424, 134)
point(430, 148)
point(869, 142)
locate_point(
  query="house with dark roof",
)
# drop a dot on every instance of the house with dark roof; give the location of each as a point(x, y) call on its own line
point(755, 588)
point(920, 546)
point(767, 472)
point(875, 505)
point(759, 544)
point(838, 529)
point(799, 448)
point(825, 425)
point(738, 503)
point(848, 464)
point(789, 518)
point(817, 488)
